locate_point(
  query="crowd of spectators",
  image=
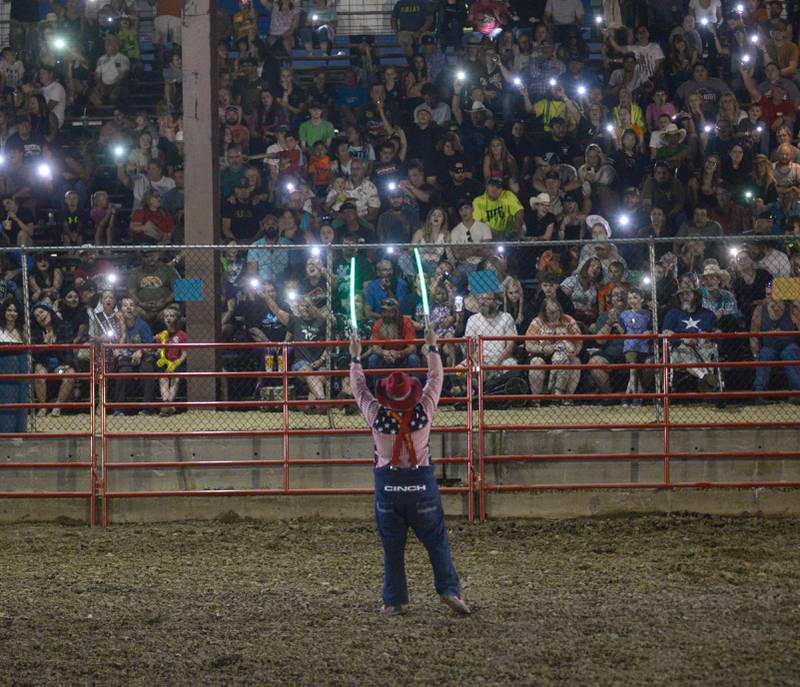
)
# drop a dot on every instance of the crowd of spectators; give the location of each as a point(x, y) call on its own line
point(509, 124)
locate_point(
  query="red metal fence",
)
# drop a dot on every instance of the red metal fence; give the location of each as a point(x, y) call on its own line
point(497, 413)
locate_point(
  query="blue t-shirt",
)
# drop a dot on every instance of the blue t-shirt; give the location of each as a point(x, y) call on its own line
point(140, 332)
point(682, 322)
point(353, 97)
point(636, 322)
point(375, 294)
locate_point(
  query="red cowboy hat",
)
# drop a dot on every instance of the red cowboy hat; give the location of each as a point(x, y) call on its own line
point(398, 391)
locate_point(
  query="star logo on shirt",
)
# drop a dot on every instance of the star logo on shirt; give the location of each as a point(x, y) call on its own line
point(691, 323)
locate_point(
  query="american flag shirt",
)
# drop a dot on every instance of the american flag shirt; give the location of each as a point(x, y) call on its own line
point(385, 428)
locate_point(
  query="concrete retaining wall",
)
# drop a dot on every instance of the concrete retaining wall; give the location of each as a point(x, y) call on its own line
point(508, 504)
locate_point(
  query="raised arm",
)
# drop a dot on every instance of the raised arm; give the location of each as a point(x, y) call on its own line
point(365, 401)
point(433, 387)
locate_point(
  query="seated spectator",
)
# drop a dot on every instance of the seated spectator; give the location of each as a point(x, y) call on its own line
point(385, 286)
point(690, 317)
point(151, 287)
point(133, 331)
point(320, 26)
point(551, 321)
point(361, 191)
point(610, 351)
point(263, 261)
point(776, 316)
point(582, 288)
point(720, 301)
point(48, 328)
point(284, 22)
point(18, 224)
point(111, 75)
point(410, 21)
point(392, 326)
point(501, 210)
point(152, 224)
point(749, 284)
point(12, 420)
point(45, 280)
point(141, 183)
point(241, 215)
point(636, 320)
point(433, 231)
point(490, 321)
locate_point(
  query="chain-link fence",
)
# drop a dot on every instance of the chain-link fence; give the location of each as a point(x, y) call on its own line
point(257, 297)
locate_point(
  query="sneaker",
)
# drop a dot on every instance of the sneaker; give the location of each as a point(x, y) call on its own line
point(388, 611)
point(119, 413)
point(637, 403)
point(56, 412)
point(41, 412)
point(145, 412)
point(457, 603)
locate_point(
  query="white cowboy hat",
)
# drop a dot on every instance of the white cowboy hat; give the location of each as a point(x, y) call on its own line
point(591, 220)
point(541, 199)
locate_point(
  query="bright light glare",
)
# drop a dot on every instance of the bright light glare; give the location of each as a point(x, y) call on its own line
point(581, 90)
point(111, 278)
point(316, 251)
point(315, 17)
point(754, 38)
point(707, 128)
point(646, 281)
point(119, 151)
point(255, 283)
point(59, 43)
point(461, 76)
point(517, 81)
point(2, 159)
point(598, 19)
point(610, 128)
point(392, 186)
point(44, 171)
point(290, 187)
point(740, 8)
point(748, 195)
point(745, 59)
point(390, 250)
point(501, 249)
point(291, 295)
point(624, 220)
point(759, 129)
point(553, 82)
point(704, 21)
point(733, 251)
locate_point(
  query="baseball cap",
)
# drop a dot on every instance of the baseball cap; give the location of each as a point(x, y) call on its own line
point(552, 159)
point(348, 205)
point(458, 166)
point(463, 201)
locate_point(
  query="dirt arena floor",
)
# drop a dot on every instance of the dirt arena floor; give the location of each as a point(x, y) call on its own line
point(668, 600)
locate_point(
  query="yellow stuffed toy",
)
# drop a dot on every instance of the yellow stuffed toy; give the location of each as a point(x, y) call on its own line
point(171, 365)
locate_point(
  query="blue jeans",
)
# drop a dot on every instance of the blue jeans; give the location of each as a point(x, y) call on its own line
point(790, 352)
point(410, 498)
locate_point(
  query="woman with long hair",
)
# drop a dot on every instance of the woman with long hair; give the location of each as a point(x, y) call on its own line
point(12, 420)
point(269, 115)
point(737, 167)
point(415, 77)
point(729, 109)
point(498, 162)
point(681, 59)
point(435, 230)
point(703, 187)
point(762, 180)
point(582, 287)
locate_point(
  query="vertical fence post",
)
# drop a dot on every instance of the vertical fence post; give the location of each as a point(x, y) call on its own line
point(103, 438)
point(481, 436)
point(665, 396)
point(651, 249)
point(26, 306)
point(285, 359)
point(470, 440)
point(93, 437)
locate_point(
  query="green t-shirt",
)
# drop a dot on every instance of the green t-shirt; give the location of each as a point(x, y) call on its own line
point(310, 133)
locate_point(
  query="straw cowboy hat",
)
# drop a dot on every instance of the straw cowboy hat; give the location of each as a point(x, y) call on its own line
point(540, 199)
point(398, 391)
point(671, 130)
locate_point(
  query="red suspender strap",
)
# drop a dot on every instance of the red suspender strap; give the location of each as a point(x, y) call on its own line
point(403, 436)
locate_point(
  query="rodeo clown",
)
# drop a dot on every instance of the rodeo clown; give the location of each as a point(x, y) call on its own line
point(406, 493)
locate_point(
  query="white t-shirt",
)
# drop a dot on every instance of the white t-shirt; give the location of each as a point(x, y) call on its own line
point(701, 12)
point(647, 57)
point(55, 91)
point(365, 196)
point(477, 233)
point(142, 185)
point(501, 325)
point(564, 11)
point(13, 72)
point(111, 68)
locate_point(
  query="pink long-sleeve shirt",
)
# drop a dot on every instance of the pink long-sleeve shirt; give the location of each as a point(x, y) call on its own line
point(384, 429)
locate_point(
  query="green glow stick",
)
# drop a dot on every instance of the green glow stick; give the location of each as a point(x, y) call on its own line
point(353, 320)
point(423, 288)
